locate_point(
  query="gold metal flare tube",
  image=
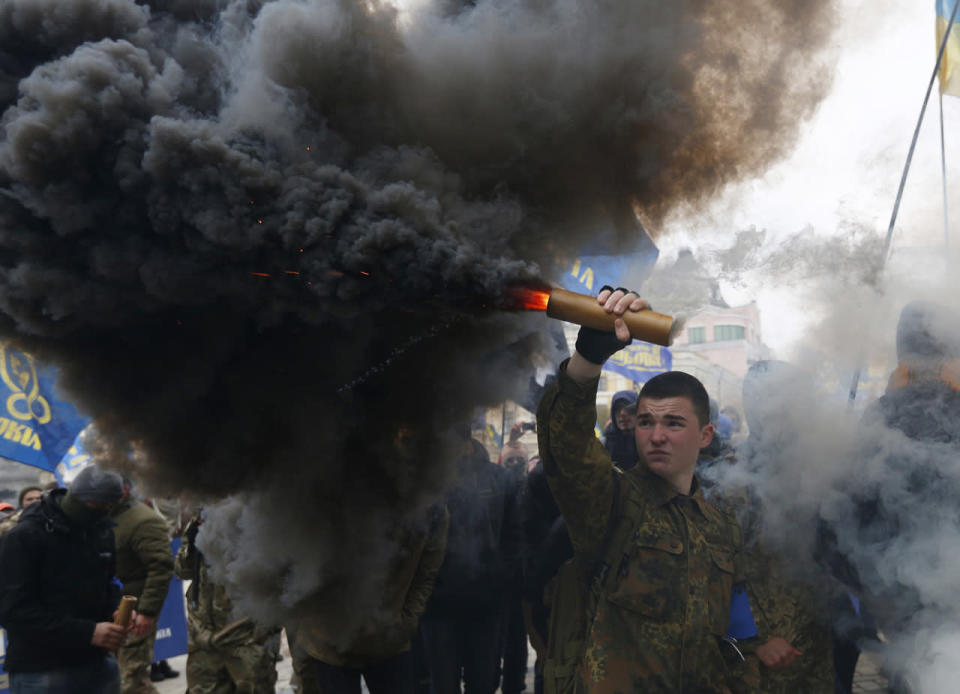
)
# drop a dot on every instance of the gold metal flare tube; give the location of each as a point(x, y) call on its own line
point(125, 611)
point(581, 309)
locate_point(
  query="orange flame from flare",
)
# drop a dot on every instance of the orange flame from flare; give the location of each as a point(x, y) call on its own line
point(527, 299)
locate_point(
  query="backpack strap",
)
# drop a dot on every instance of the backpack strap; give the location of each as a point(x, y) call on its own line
point(622, 530)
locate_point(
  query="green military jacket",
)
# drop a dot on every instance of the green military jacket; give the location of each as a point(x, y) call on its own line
point(410, 576)
point(144, 560)
point(666, 605)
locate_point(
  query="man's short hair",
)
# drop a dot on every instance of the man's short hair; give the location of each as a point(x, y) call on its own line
point(677, 384)
point(27, 490)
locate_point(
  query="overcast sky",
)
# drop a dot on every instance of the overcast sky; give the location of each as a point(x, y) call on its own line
point(847, 165)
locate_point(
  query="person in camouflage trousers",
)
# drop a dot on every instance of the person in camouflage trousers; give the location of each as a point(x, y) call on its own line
point(226, 654)
point(144, 566)
point(661, 615)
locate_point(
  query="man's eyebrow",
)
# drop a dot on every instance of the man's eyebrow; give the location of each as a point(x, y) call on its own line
point(671, 417)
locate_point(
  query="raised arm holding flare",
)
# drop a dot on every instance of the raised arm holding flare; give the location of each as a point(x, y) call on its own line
point(656, 562)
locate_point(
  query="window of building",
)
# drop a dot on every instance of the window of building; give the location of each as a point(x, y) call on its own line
point(729, 332)
point(697, 335)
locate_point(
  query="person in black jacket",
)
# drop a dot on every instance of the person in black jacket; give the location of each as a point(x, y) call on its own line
point(618, 437)
point(57, 591)
point(461, 628)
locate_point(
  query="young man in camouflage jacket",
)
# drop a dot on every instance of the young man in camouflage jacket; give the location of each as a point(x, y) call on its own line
point(662, 608)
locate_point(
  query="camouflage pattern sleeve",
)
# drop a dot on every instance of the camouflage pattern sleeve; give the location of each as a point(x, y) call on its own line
point(579, 469)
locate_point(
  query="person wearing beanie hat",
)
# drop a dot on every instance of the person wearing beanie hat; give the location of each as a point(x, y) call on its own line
point(57, 592)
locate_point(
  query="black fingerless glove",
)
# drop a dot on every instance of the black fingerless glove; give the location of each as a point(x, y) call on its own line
point(597, 346)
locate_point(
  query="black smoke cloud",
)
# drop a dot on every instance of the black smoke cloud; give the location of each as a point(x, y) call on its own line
point(262, 239)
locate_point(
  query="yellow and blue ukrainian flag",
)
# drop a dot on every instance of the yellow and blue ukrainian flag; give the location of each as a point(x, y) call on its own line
point(950, 66)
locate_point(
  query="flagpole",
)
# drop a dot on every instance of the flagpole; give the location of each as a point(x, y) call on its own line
point(943, 177)
point(855, 384)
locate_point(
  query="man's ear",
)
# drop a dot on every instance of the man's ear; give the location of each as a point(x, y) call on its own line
point(706, 436)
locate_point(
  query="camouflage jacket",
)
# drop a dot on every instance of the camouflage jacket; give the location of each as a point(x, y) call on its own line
point(211, 622)
point(10, 522)
point(658, 624)
point(781, 605)
point(786, 608)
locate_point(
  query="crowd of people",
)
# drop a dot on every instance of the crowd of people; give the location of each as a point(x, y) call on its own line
point(625, 562)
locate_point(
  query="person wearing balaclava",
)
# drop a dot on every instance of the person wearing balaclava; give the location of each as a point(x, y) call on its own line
point(719, 449)
point(57, 593)
point(618, 436)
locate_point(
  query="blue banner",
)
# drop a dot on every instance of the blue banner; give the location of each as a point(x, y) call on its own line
point(4, 678)
point(597, 265)
point(640, 362)
point(76, 459)
point(172, 621)
point(36, 427)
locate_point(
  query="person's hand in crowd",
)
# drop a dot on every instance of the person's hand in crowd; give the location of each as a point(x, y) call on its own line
point(142, 625)
point(516, 431)
point(108, 635)
point(777, 653)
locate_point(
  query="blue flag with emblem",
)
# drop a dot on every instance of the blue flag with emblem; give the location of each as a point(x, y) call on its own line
point(36, 427)
point(596, 265)
point(640, 361)
point(73, 461)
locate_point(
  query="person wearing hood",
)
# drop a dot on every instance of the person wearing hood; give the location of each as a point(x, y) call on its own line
point(57, 591)
point(618, 437)
point(719, 449)
point(909, 437)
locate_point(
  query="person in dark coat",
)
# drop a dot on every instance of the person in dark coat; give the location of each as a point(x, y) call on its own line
point(618, 437)
point(57, 592)
point(462, 626)
point(904, 491)
point(547, 546)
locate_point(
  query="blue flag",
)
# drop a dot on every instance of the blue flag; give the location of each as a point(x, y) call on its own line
point(640, 361)
point(36, 427)
point(172, 620)
point(4, 677)
point(597, 264)
point(75, 459)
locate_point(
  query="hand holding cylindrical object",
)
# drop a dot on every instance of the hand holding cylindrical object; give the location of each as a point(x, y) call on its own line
point(581, 309)
point(125, 611)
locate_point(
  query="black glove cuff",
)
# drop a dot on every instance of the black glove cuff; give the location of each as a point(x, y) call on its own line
point(596, 346)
